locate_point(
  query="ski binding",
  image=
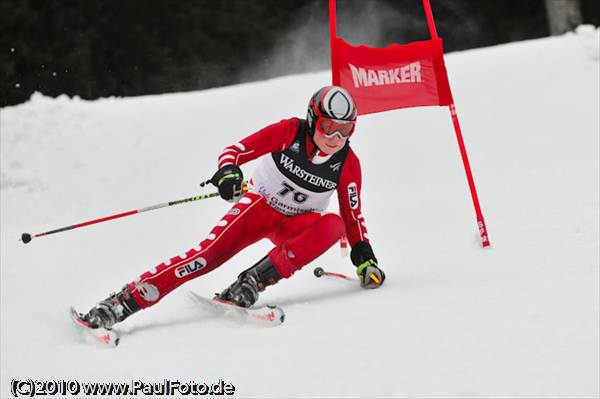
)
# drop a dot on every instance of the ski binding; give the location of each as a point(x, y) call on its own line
point(100, 337)
point(269, 315)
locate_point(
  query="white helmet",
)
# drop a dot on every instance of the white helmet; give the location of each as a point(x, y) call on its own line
point(330, 102)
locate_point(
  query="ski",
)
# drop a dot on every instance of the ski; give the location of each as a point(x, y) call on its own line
point(94, 336)
point(269, 315)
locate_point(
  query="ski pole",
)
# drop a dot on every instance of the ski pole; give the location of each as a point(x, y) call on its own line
point(26, 237)
point(319, 272)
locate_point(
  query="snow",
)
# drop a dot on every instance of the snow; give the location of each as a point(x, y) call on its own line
point(520, 319)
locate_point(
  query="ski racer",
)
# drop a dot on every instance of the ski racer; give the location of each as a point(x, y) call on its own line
point(303, 163)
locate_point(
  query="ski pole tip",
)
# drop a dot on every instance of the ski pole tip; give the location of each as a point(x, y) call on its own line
point(25, 237)
point(319, 271)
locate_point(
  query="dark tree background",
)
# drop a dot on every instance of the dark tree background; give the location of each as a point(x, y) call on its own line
point(101, 48)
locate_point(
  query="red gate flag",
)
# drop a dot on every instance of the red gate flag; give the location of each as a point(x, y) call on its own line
point(397, 76)
point(400, 76)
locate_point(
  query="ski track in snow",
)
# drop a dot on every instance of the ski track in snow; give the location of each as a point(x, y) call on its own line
point(518, 319)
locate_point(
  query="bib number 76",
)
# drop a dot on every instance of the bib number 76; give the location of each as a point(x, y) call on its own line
point(297, 195)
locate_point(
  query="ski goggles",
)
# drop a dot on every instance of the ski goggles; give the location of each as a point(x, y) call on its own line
point(335, 127)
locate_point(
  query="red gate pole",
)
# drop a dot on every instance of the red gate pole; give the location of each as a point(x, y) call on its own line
point(335, 78)
point(485, 242)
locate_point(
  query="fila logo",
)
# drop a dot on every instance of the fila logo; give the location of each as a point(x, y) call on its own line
point(379, 77)
point(335, 167)
point(353, 195)
point(190, 268)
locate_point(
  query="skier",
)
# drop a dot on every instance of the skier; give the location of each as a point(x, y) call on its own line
point(303, 163)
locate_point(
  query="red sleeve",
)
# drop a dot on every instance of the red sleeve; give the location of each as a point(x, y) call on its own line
point(273, 138)
point(350, 201)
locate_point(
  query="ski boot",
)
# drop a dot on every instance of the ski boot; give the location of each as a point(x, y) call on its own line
point(116, 308)
point(244, 291)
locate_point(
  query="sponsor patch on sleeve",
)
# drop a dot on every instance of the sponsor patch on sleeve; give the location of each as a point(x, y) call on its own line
point(353, 195)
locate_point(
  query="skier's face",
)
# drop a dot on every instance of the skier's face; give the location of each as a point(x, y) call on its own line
point(329, 145)
point(331, 136)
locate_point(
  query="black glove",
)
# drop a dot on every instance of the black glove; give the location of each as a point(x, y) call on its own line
point(369, 273)
point(229, 180)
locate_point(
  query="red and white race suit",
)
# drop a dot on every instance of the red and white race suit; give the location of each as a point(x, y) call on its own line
point(290, 189)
